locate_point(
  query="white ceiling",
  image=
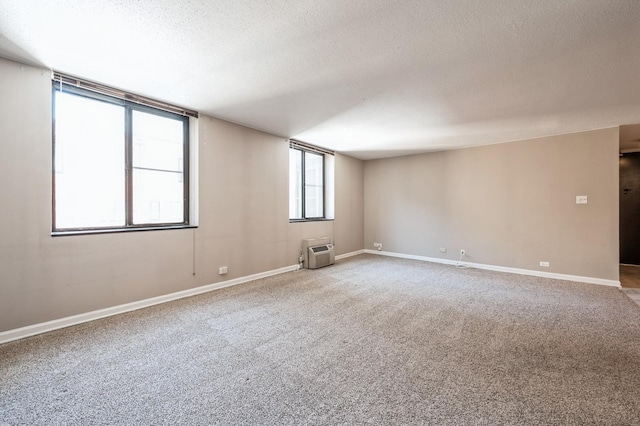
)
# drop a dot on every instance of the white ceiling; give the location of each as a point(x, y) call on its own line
point(372, 78)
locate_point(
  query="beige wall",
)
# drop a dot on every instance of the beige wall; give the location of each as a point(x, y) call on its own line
point(510, 205)
point(243, 217)
point(349, 224)
point(507, 205)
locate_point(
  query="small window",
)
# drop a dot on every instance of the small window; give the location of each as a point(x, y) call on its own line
point(306, 184)
point(117, 164)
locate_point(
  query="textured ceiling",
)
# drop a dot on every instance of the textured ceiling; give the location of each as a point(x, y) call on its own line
point(372, 78)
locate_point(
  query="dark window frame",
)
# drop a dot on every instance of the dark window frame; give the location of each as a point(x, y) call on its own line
point(129, 107)
point(304, 217)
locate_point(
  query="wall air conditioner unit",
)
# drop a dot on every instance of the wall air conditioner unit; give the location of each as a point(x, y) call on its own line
point(320, 256)
point(318, 252)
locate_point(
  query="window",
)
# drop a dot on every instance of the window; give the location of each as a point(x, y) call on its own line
point(306, 183)
point(117, 164)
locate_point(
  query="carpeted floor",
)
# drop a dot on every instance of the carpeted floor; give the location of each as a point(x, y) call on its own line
point(370, 340)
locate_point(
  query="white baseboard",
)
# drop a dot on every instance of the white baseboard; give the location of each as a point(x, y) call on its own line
point(588, 280)
point(31, 330)
point(353, 253)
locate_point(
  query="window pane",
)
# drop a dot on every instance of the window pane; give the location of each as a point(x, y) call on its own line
point(157, 197)
point(89, 163)
point(295, 184)
point(158, 142)
point(314, 182)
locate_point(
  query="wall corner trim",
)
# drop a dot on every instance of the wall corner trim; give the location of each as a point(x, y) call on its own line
point(565, 277)
point(353, 253)
point(32, 330)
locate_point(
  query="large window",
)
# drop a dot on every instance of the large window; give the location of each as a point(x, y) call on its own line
point(117, 164)
point(306, 184)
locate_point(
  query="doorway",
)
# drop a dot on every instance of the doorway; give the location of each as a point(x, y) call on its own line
point(630, 209)
point(629, 206)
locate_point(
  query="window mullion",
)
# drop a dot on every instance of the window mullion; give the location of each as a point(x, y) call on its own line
point(128, 149)
point(303, 174)
point(324, 185)
point(53, 156)
point(185, 172)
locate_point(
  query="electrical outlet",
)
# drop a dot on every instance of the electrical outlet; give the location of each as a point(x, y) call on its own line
point(223, 270)
point(378, 246)
point(443, 249)
point(544, 264)
point(462, 252)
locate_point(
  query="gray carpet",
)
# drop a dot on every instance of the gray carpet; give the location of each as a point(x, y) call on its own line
point(370, 340)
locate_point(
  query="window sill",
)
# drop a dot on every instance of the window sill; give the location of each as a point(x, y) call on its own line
point(310, 220)
point(117, 230)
